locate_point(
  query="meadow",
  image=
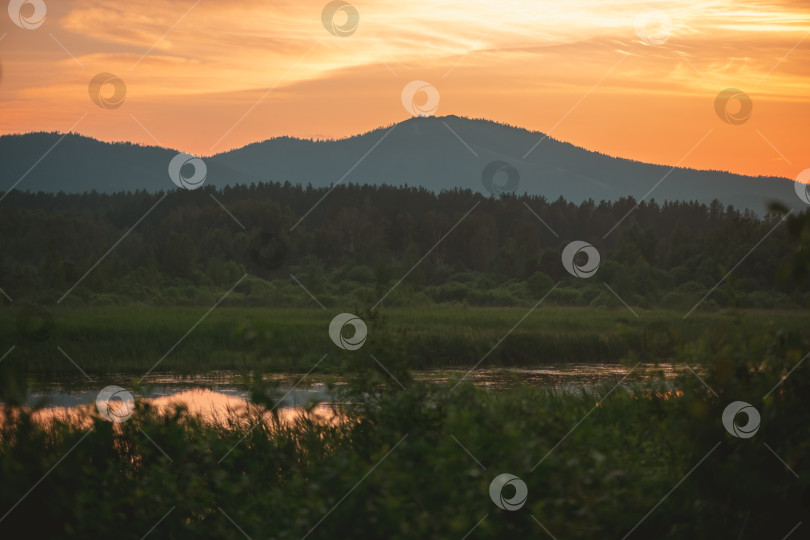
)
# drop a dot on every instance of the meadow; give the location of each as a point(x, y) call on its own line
point(132, 339)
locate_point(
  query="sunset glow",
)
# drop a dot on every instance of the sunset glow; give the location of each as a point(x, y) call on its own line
point(209, 76)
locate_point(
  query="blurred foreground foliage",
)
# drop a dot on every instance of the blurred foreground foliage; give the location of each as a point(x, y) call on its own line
point(398, 466)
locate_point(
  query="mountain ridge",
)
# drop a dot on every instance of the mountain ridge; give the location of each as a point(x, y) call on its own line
point(437, 153)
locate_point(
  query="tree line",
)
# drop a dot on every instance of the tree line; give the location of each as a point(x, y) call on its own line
point(355, 242)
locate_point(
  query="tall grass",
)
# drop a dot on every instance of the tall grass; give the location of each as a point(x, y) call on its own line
point(418, 462)
point(133, 339)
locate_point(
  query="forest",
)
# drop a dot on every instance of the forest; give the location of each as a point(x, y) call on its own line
point(353, 244)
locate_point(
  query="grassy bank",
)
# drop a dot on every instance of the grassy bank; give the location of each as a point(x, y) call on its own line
point(418, 463)
point(133, 339)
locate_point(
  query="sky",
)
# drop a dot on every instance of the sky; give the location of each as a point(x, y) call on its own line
point(642, 80)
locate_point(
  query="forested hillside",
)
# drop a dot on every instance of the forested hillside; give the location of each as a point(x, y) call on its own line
point(359, 241)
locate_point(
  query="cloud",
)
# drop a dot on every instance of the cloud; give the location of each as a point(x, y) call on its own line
point(192, 70)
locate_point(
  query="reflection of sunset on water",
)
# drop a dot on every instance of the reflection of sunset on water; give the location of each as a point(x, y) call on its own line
point(211, 407)
point(224, 409)
point(228, 406)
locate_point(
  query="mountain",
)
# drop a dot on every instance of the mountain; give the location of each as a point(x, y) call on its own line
point(434, 152)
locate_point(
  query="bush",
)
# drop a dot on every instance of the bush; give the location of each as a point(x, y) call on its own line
point(650, 460)
point(361, 274)
point(605, 300)
point(565, 297)
point(450, 292)
point(677, 300)
point(539, 284)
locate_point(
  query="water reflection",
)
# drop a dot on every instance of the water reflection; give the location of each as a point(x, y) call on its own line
point(221, 398)
point(224, 407)
point(566, 377)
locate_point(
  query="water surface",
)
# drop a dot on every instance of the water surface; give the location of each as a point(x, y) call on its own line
point(223, 396)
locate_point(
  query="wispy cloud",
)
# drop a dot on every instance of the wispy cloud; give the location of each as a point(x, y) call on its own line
point(524, 62)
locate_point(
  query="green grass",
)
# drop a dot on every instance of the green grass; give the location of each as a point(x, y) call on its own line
point(597, 464)
point(397, 469)
point(115, 339)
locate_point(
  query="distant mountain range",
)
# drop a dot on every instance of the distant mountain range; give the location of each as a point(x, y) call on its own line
point(437, 153)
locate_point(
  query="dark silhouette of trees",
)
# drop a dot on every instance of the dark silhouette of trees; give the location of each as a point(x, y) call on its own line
point(359, 240)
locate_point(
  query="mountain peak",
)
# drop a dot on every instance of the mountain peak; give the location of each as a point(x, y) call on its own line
point(435, 152)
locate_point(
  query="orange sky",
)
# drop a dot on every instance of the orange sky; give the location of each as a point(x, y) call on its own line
point(207, 76)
